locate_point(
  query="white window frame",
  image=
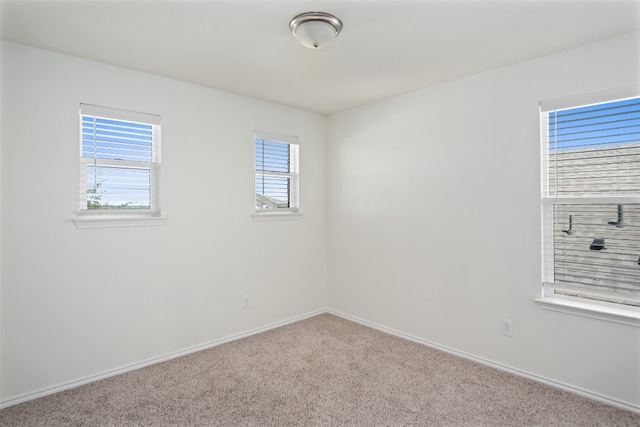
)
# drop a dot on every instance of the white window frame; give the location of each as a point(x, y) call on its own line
point(98, 218)
point(591, 303)
point(293, 211)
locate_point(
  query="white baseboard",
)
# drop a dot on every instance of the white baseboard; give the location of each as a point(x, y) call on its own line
point(163, 358)
point(89, 379)
point(567, 387)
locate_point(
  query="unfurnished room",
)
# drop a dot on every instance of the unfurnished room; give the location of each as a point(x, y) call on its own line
point(320, 213)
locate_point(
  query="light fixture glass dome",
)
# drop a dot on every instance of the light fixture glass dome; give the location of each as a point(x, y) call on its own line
point(315, 29)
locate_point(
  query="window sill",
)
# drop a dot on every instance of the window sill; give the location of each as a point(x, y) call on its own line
point(276, 216)
point(623, 316)
point(101, 221)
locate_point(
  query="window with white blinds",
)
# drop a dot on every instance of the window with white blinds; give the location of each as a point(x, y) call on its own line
point(276, 163)
point(120, 157)
point(591, 198)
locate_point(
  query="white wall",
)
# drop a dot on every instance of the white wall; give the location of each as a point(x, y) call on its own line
point(76, 303)
point(427, 233)
point(434, 220)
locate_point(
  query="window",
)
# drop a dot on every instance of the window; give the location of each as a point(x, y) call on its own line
point(276, 160)
point(591, 201)
point(119, 161)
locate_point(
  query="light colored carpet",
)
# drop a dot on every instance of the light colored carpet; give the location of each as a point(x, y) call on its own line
point(322, 371)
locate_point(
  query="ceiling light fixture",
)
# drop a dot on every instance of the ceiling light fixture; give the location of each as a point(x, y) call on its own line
point(315, 29)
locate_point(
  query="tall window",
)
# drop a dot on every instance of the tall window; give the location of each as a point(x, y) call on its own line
point(591, 200)
point(276, 172)
point(120, 157)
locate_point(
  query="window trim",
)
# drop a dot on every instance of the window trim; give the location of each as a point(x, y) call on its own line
point(281, 214)
point(555, 297)
point(110, 221)
point(590, 309)
point(276, 216)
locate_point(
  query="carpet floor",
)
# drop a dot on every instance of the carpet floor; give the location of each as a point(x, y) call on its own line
point(322, 371)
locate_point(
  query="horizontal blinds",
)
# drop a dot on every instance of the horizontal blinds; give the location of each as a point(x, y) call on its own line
point(267, 136)
point(593, 152)
point(116, 139)
point(272, 156)
point(276, 174)
point(592, 98)
point(114, 113)
point(119, 153)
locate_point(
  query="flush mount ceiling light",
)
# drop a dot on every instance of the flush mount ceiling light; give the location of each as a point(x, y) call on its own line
point(315, 29)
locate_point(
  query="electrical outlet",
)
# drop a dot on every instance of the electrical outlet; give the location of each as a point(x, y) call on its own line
point(507, 327)
point(246, 303)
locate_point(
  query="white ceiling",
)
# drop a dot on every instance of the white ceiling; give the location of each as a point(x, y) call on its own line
point(245, 46)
